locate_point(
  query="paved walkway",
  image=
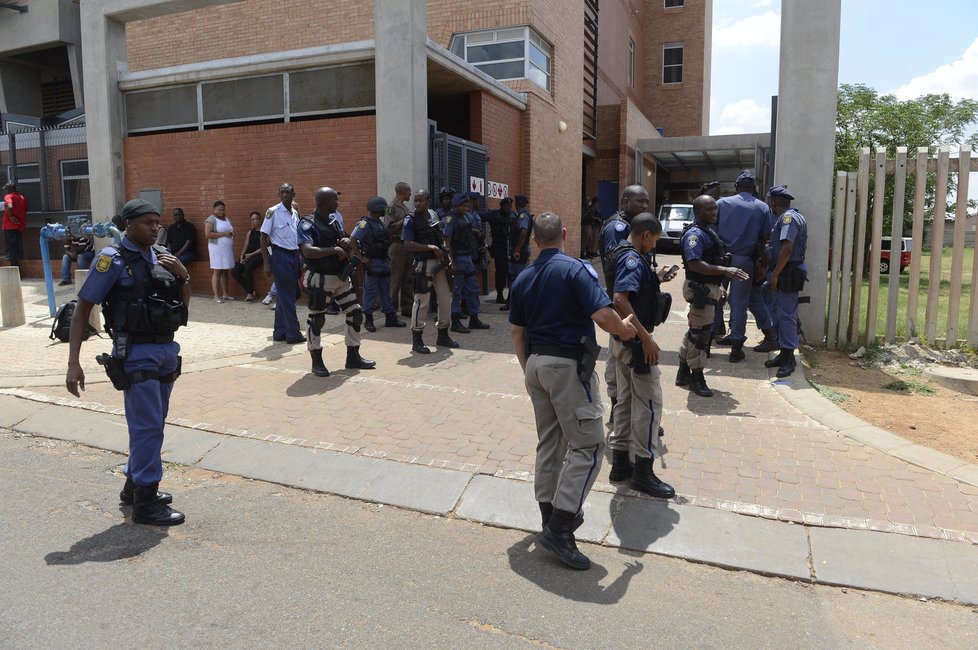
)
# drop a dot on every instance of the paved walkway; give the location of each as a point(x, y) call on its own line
point(754, 448)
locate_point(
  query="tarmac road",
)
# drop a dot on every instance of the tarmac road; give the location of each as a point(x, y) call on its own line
point(260, 565)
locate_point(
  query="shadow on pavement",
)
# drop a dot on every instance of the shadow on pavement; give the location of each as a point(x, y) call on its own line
point(528, 560)
point(119, 542)
point(421, 360)
point(639, 522)
point(310, 385)
point(722, 403)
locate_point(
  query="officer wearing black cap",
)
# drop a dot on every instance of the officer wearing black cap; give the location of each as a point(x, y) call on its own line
point(462, 242)
point(371, 241)
point(144, 292)
point(711, 189)
point(787, 274)
point(444, 209)
point(555, 303)
point(325, 250)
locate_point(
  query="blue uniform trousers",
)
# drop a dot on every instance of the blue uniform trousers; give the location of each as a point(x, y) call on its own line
point(742, 295)
point(377, 279)
point(514, 269)
point(147, 403)
point(787, 317)
point(465, 285)
point(285, 271)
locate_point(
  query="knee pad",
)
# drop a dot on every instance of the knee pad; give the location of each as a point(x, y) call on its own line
point(316, 322)
point(355, 319)
point(700, 338)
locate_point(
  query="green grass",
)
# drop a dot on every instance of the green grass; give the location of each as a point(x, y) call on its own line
point(910, 385)
point(830, 393)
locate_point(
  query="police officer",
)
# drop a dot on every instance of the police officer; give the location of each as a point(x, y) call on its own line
point(743, 225)
point(422, 237)
point(280, 258)
point(371, 245)
point(444, 209)
point(498, 221)
point(460, 240)
point(638, 410)
point(518, 240)
point(144, 292)
point(706, 262)
point(554, 302)
point(787, 275)
point(324, 248)
point(400, 261)
point(634, 200)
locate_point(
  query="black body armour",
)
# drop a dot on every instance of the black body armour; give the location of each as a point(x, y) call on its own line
point(328, 235)
point(379, 241)
point(463, 237)
point(150, 309)
point(648, 301)
point(425, 233)
point(715, 255)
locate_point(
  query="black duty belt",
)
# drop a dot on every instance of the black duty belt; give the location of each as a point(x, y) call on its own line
point(150, 338)
point(556, 351)
point(287, 250)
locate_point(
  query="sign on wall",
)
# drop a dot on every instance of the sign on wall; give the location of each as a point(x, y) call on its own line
point(477, 184)
point(497, 190)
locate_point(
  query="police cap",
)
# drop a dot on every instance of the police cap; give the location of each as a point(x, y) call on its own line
point(521, 199)
point(460, 198)
point(505, 200)
point(446, 191)
point(713, 185)
point(746, 178)
point(138, 207)
point(780, 192)
point(377, 204)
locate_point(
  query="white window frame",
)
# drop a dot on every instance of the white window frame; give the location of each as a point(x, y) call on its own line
point(76, 177)
point(679, 45)
point(631, 62)
point(530, 39)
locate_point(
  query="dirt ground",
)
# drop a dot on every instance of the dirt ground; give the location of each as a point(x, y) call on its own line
point(944, 420)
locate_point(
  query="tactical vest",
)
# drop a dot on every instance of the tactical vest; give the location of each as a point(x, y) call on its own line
point(463, 237)
point(607, 261)
point(714, 255)
point(425, 233)
point(328, 235)
point(377, 241)
point(645, 302)
point(152, 307)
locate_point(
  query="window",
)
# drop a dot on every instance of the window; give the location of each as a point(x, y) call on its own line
point(28, 179)
point(670, 4)
point(504, 54)
point(74, 185)
point(672, 63)
point(631, 62)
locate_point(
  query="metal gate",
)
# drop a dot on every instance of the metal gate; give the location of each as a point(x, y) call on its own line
point(453, 161)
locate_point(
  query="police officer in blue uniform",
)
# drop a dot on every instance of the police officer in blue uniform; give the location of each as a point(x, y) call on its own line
point(280, 258)
point(518, 240)
point(706, 262)
point(444, 209)
point(787, 275)
point(328, 276)
point(554, 302)
point(743, 225)
point(638, 410)
point(462, 243)
point(371, 243)
point(144, 292)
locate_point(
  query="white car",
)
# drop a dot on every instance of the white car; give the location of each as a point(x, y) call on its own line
point(673, 217)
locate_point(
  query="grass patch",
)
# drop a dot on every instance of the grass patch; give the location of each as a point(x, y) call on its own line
point(909, 385)
point(830, 393)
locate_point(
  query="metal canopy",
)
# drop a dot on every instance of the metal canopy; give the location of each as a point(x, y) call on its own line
point(714, 153)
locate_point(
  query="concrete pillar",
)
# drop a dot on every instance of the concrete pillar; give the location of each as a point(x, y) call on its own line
point(75, 67)
point(11, 297)
point(805, 155)
point(400, 37)
point(104, 45)
point(95, 316)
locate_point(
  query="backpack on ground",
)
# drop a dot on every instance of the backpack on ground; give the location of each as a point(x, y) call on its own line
point(61, 327)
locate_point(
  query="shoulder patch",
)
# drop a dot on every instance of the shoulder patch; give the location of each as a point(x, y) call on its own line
point(269, 212)
point(590, 269)
point(631, 262)
point(390, 211)
point(448, 219)
point(692, 240)
point(103, 263)
point(787, 219)
point(305, 225)
point(619, 226)
point(362, 223)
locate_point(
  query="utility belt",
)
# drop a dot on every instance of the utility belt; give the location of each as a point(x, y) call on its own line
point(585, 354)
point(379, 274)
point(701, 293)
point(122, 380)
point(150, 338)
point(792, 278)
point(290, 251)
point(557, 351)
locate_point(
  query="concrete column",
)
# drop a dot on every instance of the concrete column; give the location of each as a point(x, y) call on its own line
point(400, 37)
point(11, 297)
point(75, 67)
point(104, 45)
point(95, 316)
point(805, 155)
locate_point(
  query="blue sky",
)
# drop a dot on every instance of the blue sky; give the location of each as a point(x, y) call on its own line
point(908, 48)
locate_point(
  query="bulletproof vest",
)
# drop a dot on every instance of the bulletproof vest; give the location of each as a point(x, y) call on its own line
point(607, 261)
point(378, 240)
point(715, 254)
point(645, 301)
point(328, 235)
point(425, 233)
point(152, 306)
point(463, 238)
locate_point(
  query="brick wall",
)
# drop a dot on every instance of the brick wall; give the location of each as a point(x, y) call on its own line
point(498, 125)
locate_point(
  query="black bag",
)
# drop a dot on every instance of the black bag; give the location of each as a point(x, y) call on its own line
point(61, 328)
point(792, 279)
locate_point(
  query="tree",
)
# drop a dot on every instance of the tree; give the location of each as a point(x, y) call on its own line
point(867, 119)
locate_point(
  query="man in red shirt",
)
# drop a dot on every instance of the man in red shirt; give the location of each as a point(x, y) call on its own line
point(14, 222)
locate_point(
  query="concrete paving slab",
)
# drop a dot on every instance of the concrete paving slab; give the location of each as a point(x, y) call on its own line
point(14, 409)
point(86, 427)
point(187, 446)
point(410, 486)
point(967, 474)
point(928, 458)
point(713, 536)
point(875, 437)
point(962, 380)
point(512, 504)
point(897, 564)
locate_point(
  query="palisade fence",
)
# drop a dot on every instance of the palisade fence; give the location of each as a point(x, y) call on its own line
point(858, 311)
point(49, 164)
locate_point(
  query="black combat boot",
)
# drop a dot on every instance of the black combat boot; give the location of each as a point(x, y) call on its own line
point(418, 342)
point(147, 509)
point(355, 362)
point(457, 325)
point(736, 352)
point(726, 340)
point(368, 323)
point(697, 384)
point(776, 361)
point(770, 342)
point(547, 510)
point(645, 481)
point(393, 321)
point(684, 374)
point(621, 466)
point(558, 538)
point(788, 365)
point(444, 340)
point(128, 496)
point(476, 324)
point(318, 367)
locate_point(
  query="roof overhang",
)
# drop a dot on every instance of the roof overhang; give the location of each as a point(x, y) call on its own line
point(721, 155)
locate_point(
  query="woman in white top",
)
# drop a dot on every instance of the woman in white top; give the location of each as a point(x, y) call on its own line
point(220, 247)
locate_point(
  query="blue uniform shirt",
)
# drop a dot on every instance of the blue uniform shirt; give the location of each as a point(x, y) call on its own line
point(631, 272)
point(109, 269)
point(554, 297)
point(614, 231)
point(743, 220)
point(307, 232)
point(452, 220)
point(791, 226)
point(522, 222)
point(695, 243)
